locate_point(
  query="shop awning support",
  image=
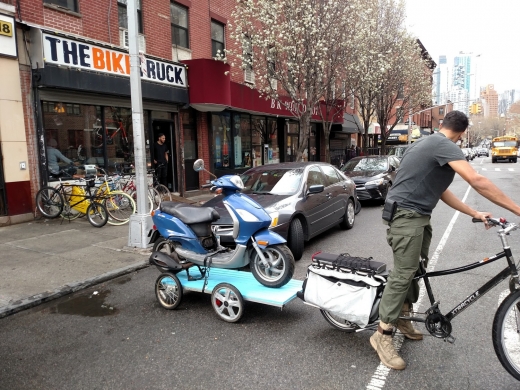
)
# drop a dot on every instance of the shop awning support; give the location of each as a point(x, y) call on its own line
point(139, 222)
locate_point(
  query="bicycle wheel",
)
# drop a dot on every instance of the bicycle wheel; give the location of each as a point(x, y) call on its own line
point(68, 212)
point(506, 333)
point(49, 202)
point(156, 197)
point(120, 207)
point(97, 214)
point(163, 191)
point(339, 323)
point(149, 202)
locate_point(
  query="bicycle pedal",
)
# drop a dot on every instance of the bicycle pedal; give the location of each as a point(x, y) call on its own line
point(450, 339)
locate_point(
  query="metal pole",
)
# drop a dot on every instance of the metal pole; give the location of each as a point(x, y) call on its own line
point(410, 125)
point(138, 227)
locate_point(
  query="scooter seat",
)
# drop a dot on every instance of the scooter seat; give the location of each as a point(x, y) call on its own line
point(191, 214)
point(168, 206)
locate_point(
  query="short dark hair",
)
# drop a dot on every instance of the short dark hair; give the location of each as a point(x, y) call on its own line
point(159, 135)
point(456, 121)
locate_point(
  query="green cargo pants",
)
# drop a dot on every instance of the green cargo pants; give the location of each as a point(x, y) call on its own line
point(409, 234)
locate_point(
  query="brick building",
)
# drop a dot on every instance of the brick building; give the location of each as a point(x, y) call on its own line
point(490, 101)
point(70, 77)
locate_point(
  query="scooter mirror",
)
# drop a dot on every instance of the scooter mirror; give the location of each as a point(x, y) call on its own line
point(198, 165)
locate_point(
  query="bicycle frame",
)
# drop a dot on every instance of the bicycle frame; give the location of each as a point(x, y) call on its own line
point(511, 270)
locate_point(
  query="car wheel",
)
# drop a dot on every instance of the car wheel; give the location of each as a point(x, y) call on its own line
point(295, 243)
point(349, 217)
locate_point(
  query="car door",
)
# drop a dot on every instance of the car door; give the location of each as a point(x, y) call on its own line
point(336, 196)
point(314, 204)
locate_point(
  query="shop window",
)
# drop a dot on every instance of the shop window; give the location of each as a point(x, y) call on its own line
point(244, 155)
point(292, 141)
point(265, 140)
point(179, 21)
point(217, 39)
point(118, 136)
point(68, 4)
point(47, 107)
point(73, 109)
point(221, 126)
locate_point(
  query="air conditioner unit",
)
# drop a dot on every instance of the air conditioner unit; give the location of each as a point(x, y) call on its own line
point(249, 76)
point(123, 40)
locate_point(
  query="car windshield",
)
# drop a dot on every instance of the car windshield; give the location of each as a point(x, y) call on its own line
point(366, 164)
point(273, 181)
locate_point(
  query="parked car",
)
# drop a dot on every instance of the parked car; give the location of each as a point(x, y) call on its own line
point(304, 199)
point(466, 154)
point(469, 151)
point(397, 151)
point(483, 152)
point(373, 175)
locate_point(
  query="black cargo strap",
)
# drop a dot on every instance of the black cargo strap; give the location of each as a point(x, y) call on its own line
point(207, 265)
point(388, 332)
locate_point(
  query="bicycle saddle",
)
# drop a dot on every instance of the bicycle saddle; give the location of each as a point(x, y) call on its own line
point(189, 214)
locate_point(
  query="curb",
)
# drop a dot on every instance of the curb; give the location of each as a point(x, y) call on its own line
point(35, 300)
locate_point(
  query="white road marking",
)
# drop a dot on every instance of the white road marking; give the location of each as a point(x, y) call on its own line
point(497, 169)
point(510, 169)
point(378, 379)
point(511, 336)
point(484, 169)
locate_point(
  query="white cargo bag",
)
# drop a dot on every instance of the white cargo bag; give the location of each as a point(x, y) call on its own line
point(347, 295)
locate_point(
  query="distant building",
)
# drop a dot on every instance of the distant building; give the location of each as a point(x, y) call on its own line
point(489, 101)
point(506, 99)
point(462, 73)
point(441, 82)
point(460, 98)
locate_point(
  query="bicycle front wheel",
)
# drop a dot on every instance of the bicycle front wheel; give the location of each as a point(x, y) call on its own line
point(49, 202)
point(163, 191)
point(120, 207)
point(97, 214)
point(506, 333)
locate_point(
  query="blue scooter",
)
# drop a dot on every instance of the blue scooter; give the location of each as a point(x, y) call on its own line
point(183, 237)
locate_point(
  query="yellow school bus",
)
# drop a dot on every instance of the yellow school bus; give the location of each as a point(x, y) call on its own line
point(504, 148)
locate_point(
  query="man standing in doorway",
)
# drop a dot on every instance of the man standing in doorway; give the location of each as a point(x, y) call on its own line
point(160, 154)
point(427, 170)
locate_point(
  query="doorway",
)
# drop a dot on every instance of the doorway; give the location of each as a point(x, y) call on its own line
point(166, 127)
point(3, 203)
point(189, 129)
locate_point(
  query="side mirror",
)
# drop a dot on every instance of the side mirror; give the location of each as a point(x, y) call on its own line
point(198, 165)
point(392, 168)
point(316, 189)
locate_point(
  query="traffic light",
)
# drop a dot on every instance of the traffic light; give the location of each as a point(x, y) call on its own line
point(472, 109)
point(478, 108)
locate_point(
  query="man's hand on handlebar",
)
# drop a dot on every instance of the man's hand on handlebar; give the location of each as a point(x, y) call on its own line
point(483, 217)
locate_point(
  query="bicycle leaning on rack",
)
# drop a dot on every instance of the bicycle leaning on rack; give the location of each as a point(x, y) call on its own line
point(506, 324)
point(50, 201)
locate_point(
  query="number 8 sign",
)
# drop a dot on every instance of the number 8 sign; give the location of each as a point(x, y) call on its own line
point(7, 36)
point(6, 28)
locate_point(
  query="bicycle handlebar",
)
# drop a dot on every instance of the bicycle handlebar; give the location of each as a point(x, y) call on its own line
point(206, 185)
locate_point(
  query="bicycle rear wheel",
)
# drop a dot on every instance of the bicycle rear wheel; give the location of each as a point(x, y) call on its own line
point(120, 207)
point(49, 202)
point(163, 191)
point(339, 323)
point(506, 333)
point(97, 214)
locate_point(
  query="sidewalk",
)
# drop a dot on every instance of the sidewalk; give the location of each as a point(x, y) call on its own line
point(46, 259)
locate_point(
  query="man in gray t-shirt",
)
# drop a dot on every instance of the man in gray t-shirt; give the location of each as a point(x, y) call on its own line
point(426, 171)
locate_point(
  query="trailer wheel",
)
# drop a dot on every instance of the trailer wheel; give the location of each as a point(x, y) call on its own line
point(168, 290)
point(227, 302)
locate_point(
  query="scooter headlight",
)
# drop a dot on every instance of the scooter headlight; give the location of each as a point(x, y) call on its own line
point(246, 215)
point(274, 218)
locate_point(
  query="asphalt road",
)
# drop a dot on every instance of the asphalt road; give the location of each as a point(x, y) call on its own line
point(119, 338)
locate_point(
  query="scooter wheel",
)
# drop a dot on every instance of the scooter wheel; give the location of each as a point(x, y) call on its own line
point(163, 245)
point(168, 290)
point(227, 302)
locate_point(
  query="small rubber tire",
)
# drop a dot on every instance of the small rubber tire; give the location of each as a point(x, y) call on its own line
point(350, 216)
point(505, 333)
point(97, 214)
point(162, 243)
point(339, 323)
point(227, 302)
point(168, 291)
point(49, 202)
point(281, 261)
point(515, 159)
point(296, 240)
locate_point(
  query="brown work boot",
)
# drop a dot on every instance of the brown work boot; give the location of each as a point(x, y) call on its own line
point(406, 327)
point(381, 341)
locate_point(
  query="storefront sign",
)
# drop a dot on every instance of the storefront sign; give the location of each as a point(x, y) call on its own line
point(67, 52)
point(7, 36)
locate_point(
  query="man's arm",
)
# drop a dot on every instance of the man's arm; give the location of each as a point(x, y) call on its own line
point(451, 200)
point(483, 186)
point(62, 157)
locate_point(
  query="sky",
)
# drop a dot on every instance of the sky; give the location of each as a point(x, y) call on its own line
point(490, 28)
